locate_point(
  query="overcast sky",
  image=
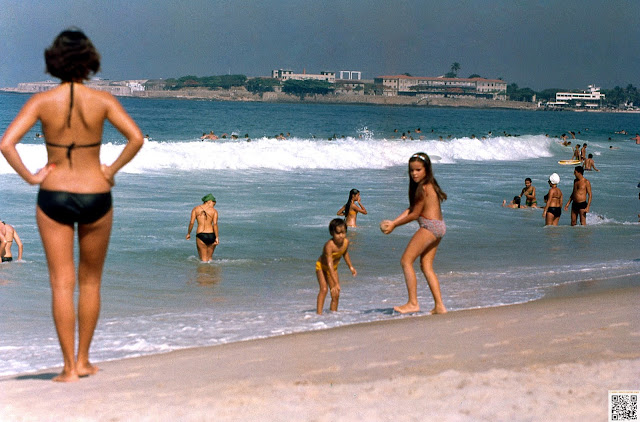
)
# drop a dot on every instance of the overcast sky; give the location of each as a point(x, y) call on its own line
point(534, 43)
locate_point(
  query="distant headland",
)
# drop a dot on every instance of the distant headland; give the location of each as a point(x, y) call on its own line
point(394, 90)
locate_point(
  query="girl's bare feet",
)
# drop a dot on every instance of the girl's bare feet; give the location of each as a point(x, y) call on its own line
point(439, 310)
point(407, 308)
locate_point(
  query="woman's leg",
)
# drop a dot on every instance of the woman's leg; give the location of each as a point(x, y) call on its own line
point(420, 241)
point(57, 240)
point(94, 241)
point(426, 263)
point(210, 250)
point(202, 250)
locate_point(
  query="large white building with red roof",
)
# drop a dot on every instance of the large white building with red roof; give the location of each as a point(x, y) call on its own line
point(440, 87)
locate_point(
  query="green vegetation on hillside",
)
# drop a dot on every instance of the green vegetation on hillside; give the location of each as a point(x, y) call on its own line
point(211, 82)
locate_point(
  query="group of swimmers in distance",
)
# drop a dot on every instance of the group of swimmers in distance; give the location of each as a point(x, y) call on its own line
point(211, 136)
point(581, 197)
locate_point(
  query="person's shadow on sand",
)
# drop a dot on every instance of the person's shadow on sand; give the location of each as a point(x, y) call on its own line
point(46, 376)
point(386, 311)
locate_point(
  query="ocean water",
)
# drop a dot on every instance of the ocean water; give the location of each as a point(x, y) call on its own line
point(276, 198)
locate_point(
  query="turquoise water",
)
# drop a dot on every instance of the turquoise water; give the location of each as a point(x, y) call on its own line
point(276, 198)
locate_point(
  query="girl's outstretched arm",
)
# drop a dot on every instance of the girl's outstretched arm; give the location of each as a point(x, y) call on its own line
point(407, 216)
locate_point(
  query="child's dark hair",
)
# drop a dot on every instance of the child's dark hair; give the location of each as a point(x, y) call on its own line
point(516, 200)
point(528, 179)
point(413, 186)
point(72, 56)
point(335, 223)
point(580, 169)
point(347, 206)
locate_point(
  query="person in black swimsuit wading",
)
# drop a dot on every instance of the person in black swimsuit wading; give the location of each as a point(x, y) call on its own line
point(75, 188)
point(207, 231)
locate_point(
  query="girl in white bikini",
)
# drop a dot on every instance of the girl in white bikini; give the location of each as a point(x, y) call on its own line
point(425, 197)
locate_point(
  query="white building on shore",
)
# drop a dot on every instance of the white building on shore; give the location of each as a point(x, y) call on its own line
point(591, 98)
point(284, 75)
point(119, 88)
point(440, 87)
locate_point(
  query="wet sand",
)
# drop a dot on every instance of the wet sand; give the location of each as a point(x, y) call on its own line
point(553, 359)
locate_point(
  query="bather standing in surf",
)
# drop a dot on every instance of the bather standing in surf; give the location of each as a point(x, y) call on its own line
point(207, 230)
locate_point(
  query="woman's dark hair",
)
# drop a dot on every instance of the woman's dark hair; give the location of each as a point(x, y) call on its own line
point(72, 56)
point(413, 186)
point(347, 206)
point(516, 200)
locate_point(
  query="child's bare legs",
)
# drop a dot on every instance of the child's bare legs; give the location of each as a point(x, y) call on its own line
point(94, 241)
point(426, 263)
point(420, 244)
point(335, 297)
point(57, 240)
point(322, 294)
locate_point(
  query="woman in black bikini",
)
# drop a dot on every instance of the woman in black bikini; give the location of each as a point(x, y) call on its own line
point(207, 231)
point(74, 187)
point(553, 207)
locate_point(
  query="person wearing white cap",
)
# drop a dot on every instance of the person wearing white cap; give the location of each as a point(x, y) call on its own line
point(553, 207)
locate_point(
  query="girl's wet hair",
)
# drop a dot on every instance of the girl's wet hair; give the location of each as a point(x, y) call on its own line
point(72, 56)
point(413, 186)
point(347, 206)
point(335, 223)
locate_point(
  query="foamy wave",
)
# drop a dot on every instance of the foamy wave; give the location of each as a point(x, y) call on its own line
point(296, 153)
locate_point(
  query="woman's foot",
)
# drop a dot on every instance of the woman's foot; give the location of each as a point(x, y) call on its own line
point(86, 369)
point(67, 376)
point(407, 308)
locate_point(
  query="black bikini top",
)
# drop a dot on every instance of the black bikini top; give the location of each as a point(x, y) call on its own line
point(73, 144)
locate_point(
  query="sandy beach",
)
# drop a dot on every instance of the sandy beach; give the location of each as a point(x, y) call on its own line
point(552, 359)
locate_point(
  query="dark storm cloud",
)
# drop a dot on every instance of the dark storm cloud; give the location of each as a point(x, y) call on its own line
point(539, 44)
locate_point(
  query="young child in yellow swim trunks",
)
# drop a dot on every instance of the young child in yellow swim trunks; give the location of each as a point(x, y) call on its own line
point(327, 264)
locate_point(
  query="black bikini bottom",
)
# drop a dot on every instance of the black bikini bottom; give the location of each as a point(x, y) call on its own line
point(70, 208)
point(556, 211)
point(207, 238)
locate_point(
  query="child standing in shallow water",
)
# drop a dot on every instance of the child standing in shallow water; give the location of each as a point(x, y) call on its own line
point(425, 197)
point(327, 264)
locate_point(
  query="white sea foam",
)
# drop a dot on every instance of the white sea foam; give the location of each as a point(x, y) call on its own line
point(296, 153)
